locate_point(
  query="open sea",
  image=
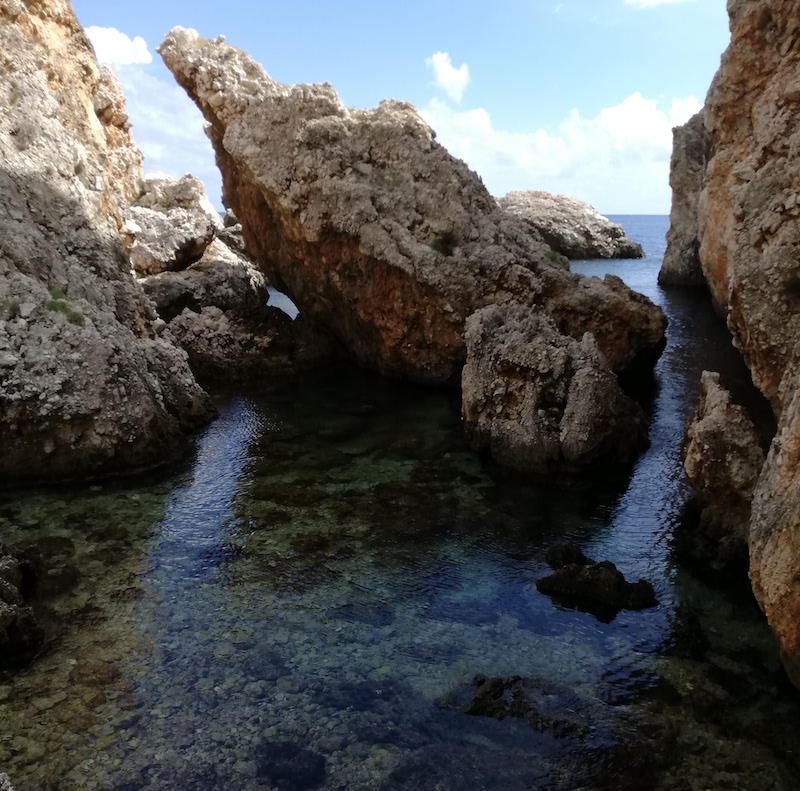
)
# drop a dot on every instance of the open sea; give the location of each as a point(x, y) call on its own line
point(316, 597)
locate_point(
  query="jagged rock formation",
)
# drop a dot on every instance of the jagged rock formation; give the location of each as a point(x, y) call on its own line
point(571, 227)
point(170, 225)
point(84, 382)
point(748, 233)
point(539, 400)
point(681, 265)
point(722, 456)
point(374, 230)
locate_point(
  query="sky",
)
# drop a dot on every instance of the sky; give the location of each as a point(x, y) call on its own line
point(576, 97)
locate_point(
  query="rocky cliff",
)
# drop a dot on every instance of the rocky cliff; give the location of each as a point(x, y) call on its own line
point(375, 231)
point(748, 236)
point(85, 384)
point(571, 227)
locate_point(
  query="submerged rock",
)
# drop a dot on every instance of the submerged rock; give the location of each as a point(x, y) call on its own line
point(722, 456)
point(374, 230)
point(571, 227)
point(681, 264)
point(170, 225)
point(579, 579)
point(538, 400)
point(290, 767)
point(85, 385)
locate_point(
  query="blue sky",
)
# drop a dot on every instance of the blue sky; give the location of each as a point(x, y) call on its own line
point(576, 96)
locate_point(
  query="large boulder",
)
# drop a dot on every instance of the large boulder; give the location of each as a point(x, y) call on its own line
point(571, 227)
point(170, 225)
point(681, 265)
point(85, 384)
point(21, 636)
point(373, 229)
point(722, 456)
point(538, 400)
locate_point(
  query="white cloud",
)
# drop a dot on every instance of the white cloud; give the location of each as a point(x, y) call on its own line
point(453, 81)
point(617, 161)
point(650, 3)
point(114, 48)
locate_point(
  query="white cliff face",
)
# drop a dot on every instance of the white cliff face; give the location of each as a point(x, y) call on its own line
point(85, 385)
point(374, 230)
point(571, 227)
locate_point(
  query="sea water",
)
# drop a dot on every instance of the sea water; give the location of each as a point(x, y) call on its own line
point(312, 599)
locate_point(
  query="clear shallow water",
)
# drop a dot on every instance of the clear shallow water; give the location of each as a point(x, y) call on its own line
point(306, 602)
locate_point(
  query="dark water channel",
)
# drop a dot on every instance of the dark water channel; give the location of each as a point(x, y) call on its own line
point(307, 604)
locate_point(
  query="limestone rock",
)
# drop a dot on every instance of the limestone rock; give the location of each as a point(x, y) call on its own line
point(571, 227)
point(723, 458)
point(5, 782)
point(775, 532)
point(540, 400)
point(85, 385)
point(221, 278)
point(681, 265)
point(170, 225)
point(749, 208)
point(371, 228)
point(20, 634)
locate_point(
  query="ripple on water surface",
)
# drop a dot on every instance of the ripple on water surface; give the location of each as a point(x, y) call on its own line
point(335, 593)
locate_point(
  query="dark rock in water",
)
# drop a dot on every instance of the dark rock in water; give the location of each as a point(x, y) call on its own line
point(560, 555)
point(21, 636)
point(596, 583)
point(289, 767)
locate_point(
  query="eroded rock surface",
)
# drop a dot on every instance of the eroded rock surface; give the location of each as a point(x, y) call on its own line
point(722, 456)
point(372, 228)
point(538, 400)
point(571, 227)
point(170, 225)
point(681, 265)
point(84, 382)
point(748, 234)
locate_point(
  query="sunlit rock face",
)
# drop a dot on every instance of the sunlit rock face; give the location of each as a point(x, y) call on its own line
point(571, 227)
point(748, 237)
point(375, 231)
point(539, 400)
point(85, 385)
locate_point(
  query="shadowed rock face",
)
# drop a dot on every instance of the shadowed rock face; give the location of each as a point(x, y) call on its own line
point(374, 230)
point(571, 227)
point(84, 383)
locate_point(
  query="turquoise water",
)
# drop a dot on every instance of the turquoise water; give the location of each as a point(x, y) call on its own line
point(307, 600)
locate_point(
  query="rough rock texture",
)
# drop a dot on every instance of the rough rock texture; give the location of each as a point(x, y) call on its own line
point(775, 531)
point(372, 228)
point(221, 279)
point(722, 456)
point(538, 400)
point(681, 265)
point(5, 782)
point(170, 225)
point(748, 232)
point(749, 208)
point(571, 227)
point(20, 634)
point(84, 383)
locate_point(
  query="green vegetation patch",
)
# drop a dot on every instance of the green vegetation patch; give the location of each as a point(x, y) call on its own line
point(62, 306)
